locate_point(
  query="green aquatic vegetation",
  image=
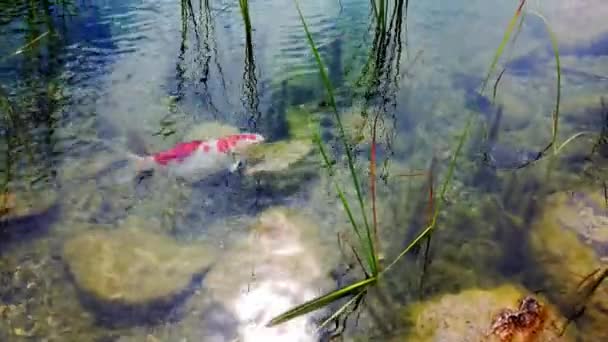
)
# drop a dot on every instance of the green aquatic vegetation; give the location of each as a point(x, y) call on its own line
point(367, 239)
point(555, 118)
point(577, 300)
point(366, 243)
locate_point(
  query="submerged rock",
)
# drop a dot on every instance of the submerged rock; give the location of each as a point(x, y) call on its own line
point(282, 264)
point(20, 205)
point(277, 156)
point(282, 168)
point(302, 123)
point(132, 269)
point(504, 313)
point(570, 240)
point(209, 130)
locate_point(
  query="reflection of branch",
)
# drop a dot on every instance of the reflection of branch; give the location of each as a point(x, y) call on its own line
point(249, 77)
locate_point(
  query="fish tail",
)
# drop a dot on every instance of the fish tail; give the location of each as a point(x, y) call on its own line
point(139, 163)
point(136, 163)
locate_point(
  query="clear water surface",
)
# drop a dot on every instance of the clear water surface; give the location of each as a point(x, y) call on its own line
point(89, 251)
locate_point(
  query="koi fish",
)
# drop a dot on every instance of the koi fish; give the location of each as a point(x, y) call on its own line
point(198, 159)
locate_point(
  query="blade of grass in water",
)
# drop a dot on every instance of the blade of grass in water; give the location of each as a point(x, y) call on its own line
point(443, 191)
point(555, 114)
point(503, 43)
point(555, 48)
point(320, 302)
point(371, 250)
point(521, 22)
point(372, 176)
point(341, 309)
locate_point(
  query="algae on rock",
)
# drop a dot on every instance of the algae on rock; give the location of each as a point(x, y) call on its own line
point(129, 266)
point(569, 240)
point(277, 156)
point(302, 122)
point(14, 206)
point(469, 316)
point(282, 166)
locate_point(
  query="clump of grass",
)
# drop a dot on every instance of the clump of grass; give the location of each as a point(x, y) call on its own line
point(368, 244)
point(367, 236)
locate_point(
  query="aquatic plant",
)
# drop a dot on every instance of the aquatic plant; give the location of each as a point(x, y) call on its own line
point(367, 240)
point(367, 237)
point(553, 143)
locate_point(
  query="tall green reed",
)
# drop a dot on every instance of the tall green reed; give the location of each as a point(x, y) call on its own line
point(370, 246)
point(367, 236)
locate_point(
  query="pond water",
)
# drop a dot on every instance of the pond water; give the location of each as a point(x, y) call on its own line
point(92, 250)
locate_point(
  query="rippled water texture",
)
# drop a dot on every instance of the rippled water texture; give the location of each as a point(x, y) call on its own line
point(92, 250)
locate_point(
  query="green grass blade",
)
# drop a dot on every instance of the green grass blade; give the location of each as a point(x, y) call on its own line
point(521, 24)
point(364, 246)
point(444, 188)
point(554, 46)
point(573, 137)
point(503, 43)
point(322, 301)
point(341, 310)
point(317, 139)
point(332, 101)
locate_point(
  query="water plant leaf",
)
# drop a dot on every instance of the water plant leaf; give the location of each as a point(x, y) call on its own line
point(503, 43)
point(572, 138)
point(579, 298)
point(446, 183)
point(372, 181)
point(322, 301)
point(353, 223)
point(373, 265)
point(555, 48)
point(521, 22)
point(341, 310)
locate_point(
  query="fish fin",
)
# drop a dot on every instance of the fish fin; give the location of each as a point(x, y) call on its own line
point(235, 166)
point(136, 143)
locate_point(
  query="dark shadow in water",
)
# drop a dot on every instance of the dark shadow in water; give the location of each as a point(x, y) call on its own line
point(224, 195)
point(30, 227)
point(119, 315)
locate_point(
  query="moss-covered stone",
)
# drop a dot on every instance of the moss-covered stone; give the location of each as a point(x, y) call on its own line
point(569, 240)
point(23, 204)
point(282, 167)
point(129, 269)
point(302, 122)
point(471, 315)
point(277, 156)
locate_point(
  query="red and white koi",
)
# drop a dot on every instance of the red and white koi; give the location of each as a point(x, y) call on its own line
point(198, 159)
